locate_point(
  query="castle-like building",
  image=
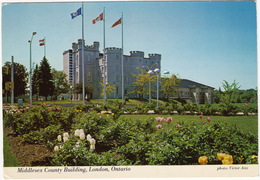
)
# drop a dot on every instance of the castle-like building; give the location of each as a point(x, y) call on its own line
point(94, 68)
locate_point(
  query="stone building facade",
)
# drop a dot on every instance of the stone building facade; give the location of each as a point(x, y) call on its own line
point(94, 68)
point(194, 92)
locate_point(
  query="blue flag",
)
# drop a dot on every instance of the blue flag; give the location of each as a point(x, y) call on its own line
point(75, 14)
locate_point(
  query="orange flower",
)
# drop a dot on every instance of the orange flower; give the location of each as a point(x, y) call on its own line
point(228, 159)
point(221, 156)
point(203, 160)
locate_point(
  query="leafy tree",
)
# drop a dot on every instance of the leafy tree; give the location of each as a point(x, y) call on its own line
point(169, 85)
point(88, 89)
point(61, 84)
point(217, 95)
point(230, 90)
point(249, 96)
point(20, 77)
point(109, 89)
point(46, 83)
point(141, 85)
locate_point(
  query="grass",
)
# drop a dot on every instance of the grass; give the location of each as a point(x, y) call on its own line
point(245, 123)
point(9, 158)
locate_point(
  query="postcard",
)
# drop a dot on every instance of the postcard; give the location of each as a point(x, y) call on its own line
point(129, 89)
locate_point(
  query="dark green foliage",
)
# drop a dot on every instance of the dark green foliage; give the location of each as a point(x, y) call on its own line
point(130, 141)
point(20, 77)
point(46, 83)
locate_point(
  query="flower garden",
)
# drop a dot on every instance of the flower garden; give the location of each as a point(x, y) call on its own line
point(95, 136)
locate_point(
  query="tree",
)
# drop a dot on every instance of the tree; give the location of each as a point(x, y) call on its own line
point(46, 83)
point(88, 90)
point(109, 89)
point(230, 90)
point(249, 96)
point(141, 85)
point(169, 85)
point(20, 77)
point(61, 84)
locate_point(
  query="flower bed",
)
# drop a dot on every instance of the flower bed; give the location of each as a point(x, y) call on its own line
point(84, 136)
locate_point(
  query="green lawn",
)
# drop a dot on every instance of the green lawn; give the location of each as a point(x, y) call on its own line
point(9, 159)
point(245, 123)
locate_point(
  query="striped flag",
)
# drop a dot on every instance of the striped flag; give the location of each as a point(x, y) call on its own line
point(117, 23)
point(99, 18)
point(42, 42)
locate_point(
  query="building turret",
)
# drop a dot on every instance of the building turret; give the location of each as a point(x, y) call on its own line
point(80, 43)
point(74, 47)
point(155, 56)
point(137, 54)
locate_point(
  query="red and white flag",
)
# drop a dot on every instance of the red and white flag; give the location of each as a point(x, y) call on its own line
point(99, 18)
point(117, 22)
point(42, 42)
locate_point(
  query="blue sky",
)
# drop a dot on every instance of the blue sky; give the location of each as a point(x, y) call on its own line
point(206, 42)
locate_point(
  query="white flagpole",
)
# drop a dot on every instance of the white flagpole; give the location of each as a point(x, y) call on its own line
point(45, 47)
point(104, 56)
point(122, 60)
point(12, 81)
point(82, 55)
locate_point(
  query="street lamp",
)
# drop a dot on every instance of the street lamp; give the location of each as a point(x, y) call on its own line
point(157, 72)
point(151, 71)
point(71, 94)
point(30, 41)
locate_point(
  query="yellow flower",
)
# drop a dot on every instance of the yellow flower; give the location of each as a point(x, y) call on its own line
point(112, 114)
point(228, 159)
point(254, 156)
point(226, 162)
point(203, 160)
point(221, 156)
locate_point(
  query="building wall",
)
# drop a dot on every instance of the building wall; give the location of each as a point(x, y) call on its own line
point(94, 67)
point(196, 95)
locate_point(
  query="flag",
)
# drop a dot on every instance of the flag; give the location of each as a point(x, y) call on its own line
point(117, 23)
point(75, 14)
point(99, 18)
point(42, 42)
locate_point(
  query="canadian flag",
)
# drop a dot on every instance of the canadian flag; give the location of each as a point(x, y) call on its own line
point(99, 18)
point(42, 42)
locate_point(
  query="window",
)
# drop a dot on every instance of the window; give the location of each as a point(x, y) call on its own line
point(116, 90)
point(89, 77)
point(77, 60)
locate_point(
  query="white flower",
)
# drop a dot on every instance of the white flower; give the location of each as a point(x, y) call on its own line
point(92, 147)
point(56, 148)
point(66, 135)
point(59, 138)
point(61, 146)
point(92, 141)
point(89, 137)
point(82, 136)
point(65, 139)
point(81, 131)
point(77, 132)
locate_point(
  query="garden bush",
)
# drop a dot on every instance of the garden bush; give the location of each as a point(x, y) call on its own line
point(108, 140)
point(143, 143)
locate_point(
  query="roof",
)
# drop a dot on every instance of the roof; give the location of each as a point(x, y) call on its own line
point(192, 84)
